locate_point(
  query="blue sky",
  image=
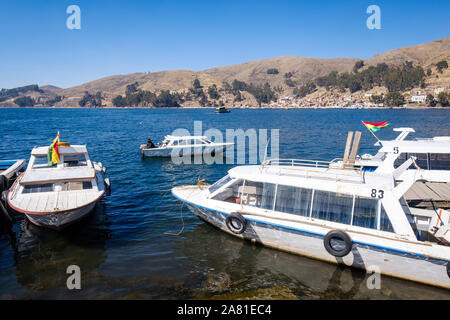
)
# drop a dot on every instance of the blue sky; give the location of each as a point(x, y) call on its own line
point(118, 37)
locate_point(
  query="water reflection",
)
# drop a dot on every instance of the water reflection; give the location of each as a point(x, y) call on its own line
point(231, 268)
point(42, 256)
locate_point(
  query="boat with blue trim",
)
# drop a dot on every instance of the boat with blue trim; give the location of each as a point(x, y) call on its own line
point(331, 211)
point(9, 170)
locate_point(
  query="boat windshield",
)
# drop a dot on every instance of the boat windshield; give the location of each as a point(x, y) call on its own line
point(216, 186)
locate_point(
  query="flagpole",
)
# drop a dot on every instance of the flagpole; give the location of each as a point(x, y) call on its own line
point(370, 131)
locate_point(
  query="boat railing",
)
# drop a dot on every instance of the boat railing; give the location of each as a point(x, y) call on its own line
point(310, 165)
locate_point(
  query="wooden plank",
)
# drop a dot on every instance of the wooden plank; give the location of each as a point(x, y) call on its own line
point(442, 189)
point(412, 193)
point(348, 145)
point(425, 192)
point(355, 147)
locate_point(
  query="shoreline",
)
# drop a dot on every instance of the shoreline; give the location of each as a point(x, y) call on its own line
point(251, 108)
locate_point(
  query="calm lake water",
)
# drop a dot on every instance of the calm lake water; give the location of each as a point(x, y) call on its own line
point(123, 248)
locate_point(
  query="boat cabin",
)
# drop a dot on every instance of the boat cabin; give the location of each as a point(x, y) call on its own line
point(348, 199)
point(177, 141)
point(74, 171)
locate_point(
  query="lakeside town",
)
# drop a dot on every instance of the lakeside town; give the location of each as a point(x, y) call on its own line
point(415, 98)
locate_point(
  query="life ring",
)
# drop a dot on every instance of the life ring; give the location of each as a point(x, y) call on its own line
point(341, 235)
point(236, 223)
point(63, 144)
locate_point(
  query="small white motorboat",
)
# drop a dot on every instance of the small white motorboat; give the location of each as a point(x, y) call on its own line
point(184, 146)
point(58, 195)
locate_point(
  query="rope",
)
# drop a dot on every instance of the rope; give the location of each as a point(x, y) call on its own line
point(200, 185)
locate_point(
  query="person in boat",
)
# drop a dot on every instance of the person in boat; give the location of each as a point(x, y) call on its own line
point(150, 144)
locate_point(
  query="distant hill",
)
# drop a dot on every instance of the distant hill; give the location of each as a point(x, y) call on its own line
point(282, 73)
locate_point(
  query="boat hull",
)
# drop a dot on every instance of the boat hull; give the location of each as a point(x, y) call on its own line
point(179, 152)
point(398, 264)
point(60, 220)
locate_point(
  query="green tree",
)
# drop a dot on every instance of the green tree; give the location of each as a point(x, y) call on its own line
point(358, 65)
point(213, 93)
point(441, 65)
point(131, 88)
point(394, 99)
point(377, 99)
point(196, 84)
point(431, 101)
point(443, 99)
point(119, 101)
point(272, 71)
point(304, 90)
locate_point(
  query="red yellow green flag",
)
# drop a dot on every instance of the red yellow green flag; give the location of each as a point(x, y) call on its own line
point(376, 126)
point(53, 152)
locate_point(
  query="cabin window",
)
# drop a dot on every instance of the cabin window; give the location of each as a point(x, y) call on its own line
point(365, 213)
point(252, 193)
point(47, 187)
point(40, 162)
point(268, 196)
point(231, 193)
point(77, 160)
point(332, 206)
point(385, 223)
point(421, 160)
point(293, 200)
point(216, 186)
point(76, 185)
point(439, 161)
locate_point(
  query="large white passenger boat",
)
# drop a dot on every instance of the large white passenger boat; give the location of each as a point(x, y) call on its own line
point(58, 195)
point(184, 146)
point(331, 212)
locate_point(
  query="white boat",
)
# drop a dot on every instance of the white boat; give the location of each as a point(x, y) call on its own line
point(332, 213)
point(432, 155)
point(59, 195)
point(184, 146)
point(8, 170)
point(432, 160)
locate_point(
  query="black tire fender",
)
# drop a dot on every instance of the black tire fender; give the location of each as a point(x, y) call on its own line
point(448, 269)
point(342, 235)
point(236, 223)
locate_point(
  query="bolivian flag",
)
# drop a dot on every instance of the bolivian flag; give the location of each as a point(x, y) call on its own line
point(377, 126)
point(53, 153)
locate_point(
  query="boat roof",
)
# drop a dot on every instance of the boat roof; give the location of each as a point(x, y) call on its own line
point(41, 176)
point(184, 137)
point(434, 145)
point(72, 150)
point(298, 175)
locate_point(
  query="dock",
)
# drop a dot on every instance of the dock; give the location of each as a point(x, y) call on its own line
point(427, 194)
